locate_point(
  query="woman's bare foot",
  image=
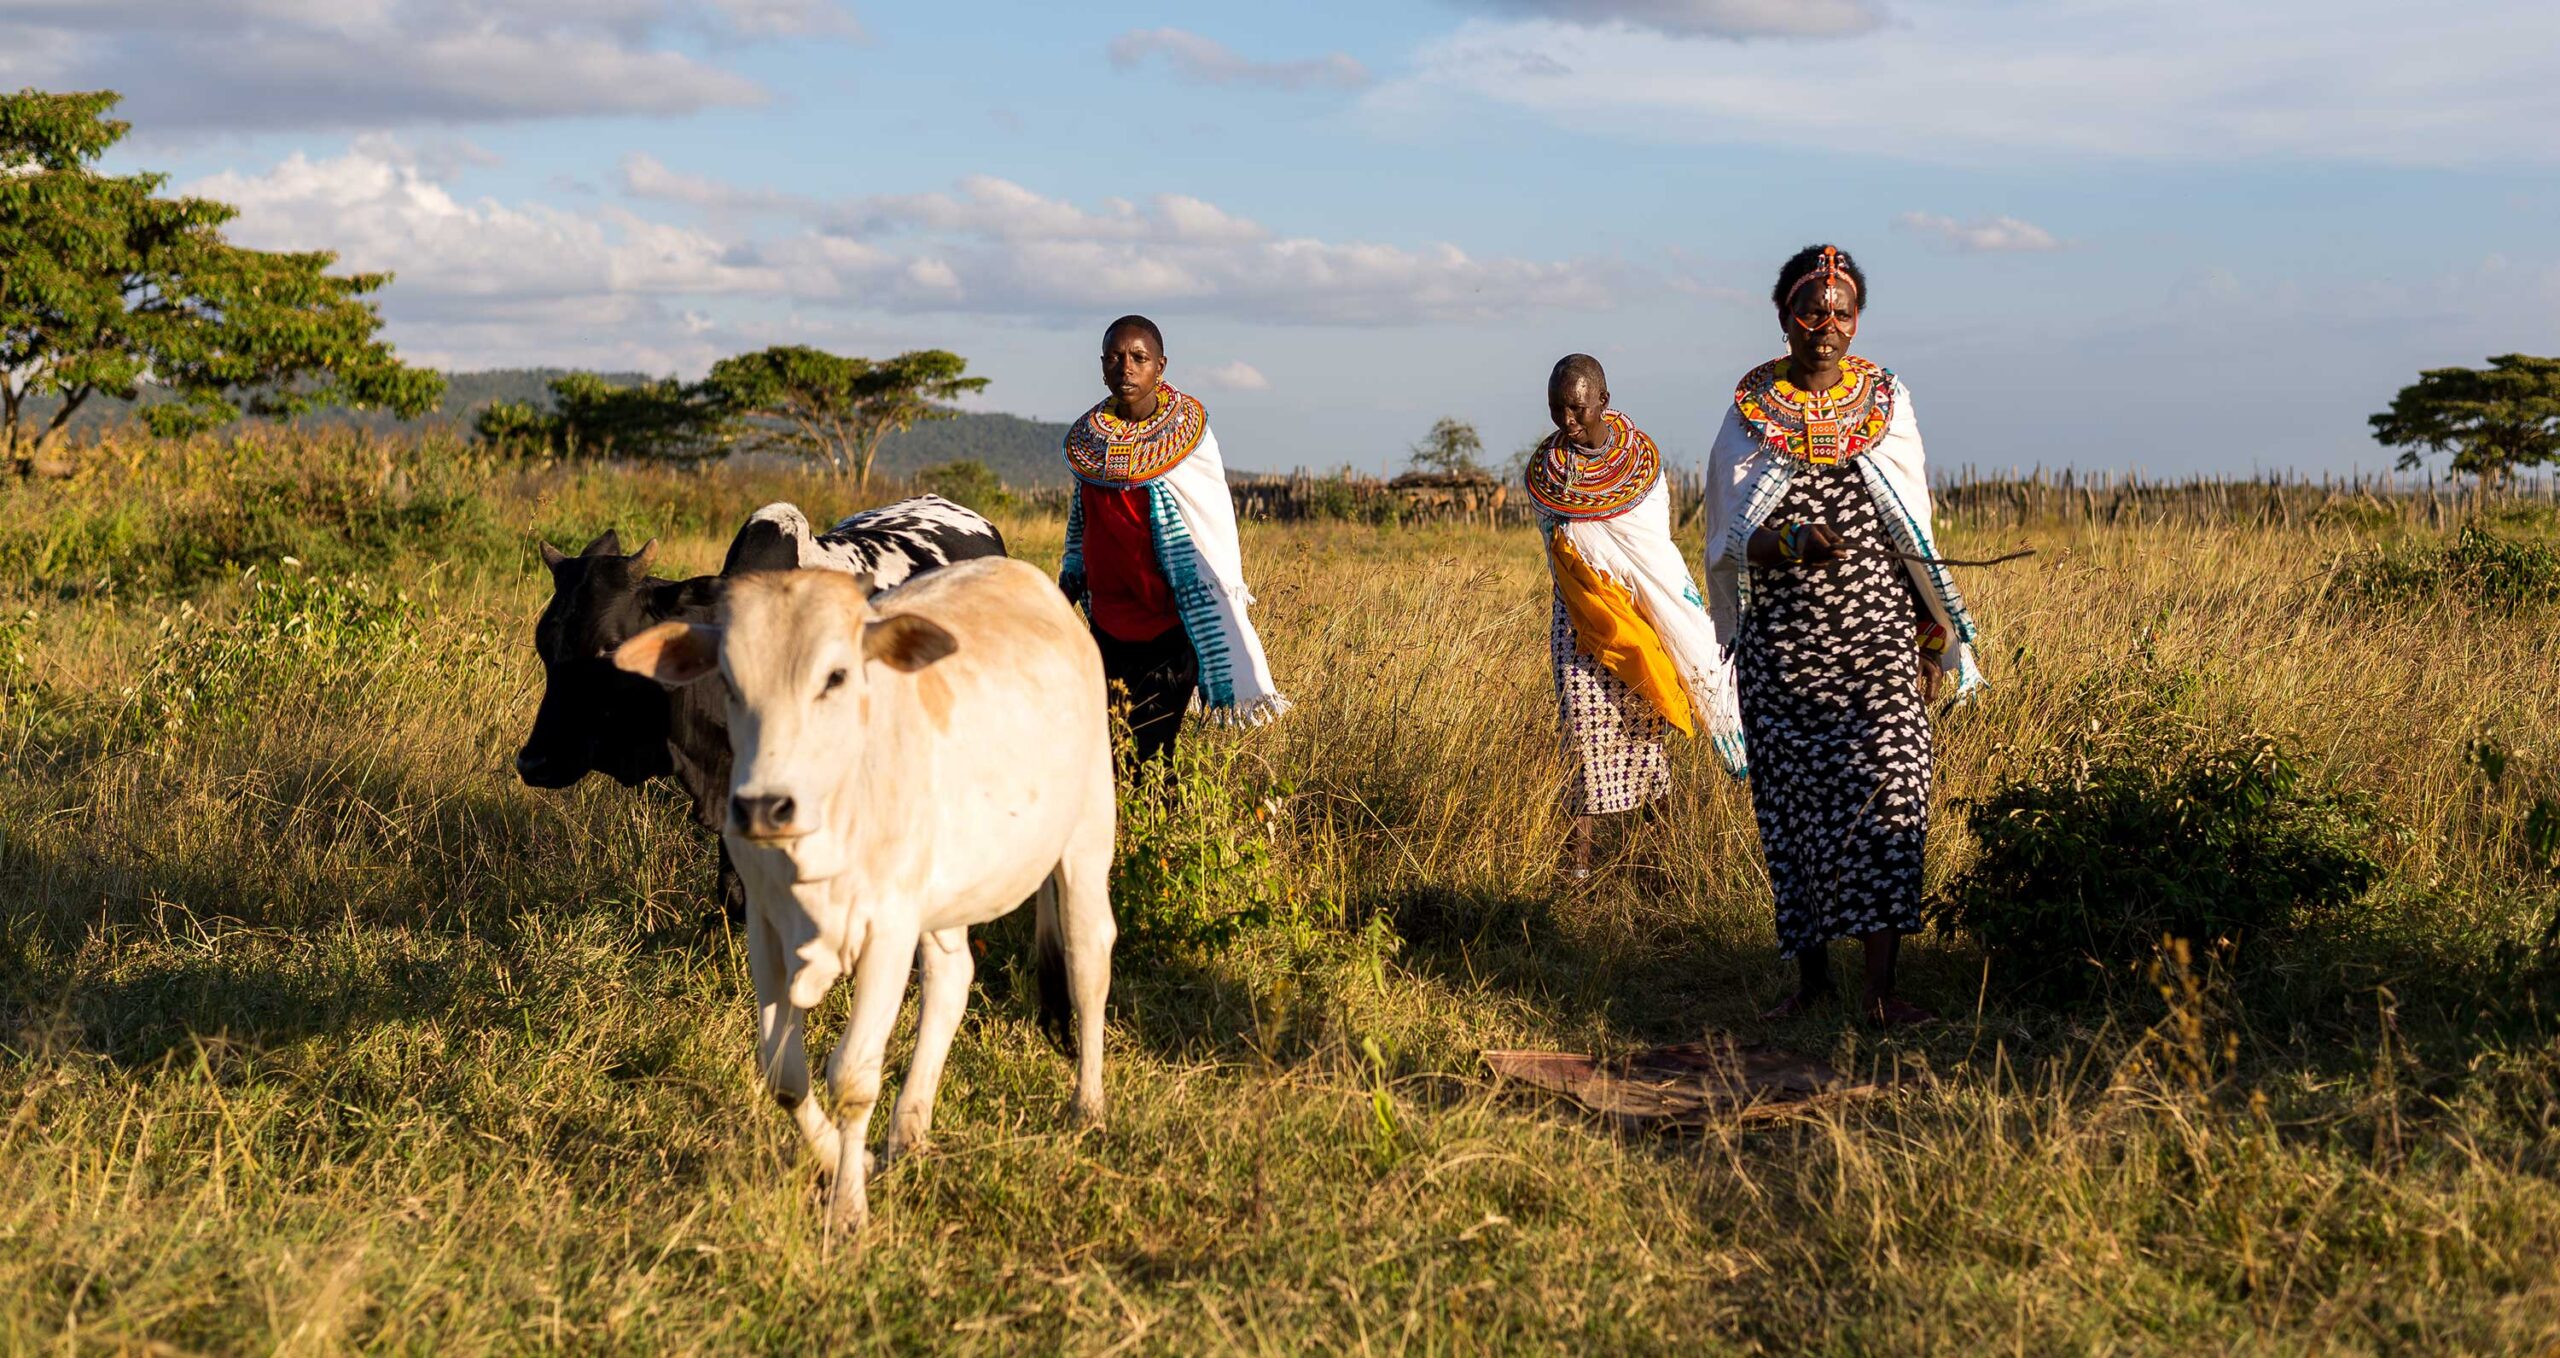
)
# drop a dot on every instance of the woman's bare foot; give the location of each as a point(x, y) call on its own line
point(1793, 1005)
point(1889, 1012)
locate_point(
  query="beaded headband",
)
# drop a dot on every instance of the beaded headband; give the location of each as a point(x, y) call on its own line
point(1829, 272)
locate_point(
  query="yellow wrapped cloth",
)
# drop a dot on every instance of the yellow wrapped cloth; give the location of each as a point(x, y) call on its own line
point(1608, 628)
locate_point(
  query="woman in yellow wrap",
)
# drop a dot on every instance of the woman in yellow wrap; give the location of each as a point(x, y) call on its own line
point(1633, 647)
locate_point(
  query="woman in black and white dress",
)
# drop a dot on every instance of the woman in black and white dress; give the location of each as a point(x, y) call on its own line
point(1821, 566)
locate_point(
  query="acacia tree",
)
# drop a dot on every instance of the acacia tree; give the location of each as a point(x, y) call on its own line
point(2493, 420)
point(1450, 449)
point(591, 416)
point(835, 408)
point(107, 288)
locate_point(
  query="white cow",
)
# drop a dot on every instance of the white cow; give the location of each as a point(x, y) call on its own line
point(905, 765)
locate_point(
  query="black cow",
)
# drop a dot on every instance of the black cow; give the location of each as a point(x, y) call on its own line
point(596, 719)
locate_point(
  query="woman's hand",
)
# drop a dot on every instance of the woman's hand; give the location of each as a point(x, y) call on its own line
point(1818, 544)
point(1931, 670)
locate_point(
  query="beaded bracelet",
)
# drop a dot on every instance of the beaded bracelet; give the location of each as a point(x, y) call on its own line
point(1791, 542)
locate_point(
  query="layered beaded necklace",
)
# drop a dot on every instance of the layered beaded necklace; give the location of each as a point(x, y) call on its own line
point(1109, 451)
point(1822, 428)
point(1570, 483)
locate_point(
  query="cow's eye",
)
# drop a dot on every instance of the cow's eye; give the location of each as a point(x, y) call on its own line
point(835, 680)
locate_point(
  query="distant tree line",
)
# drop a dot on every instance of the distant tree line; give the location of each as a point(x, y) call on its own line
point(790, 400)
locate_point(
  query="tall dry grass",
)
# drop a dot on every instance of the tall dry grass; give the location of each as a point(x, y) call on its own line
point(323, 1034)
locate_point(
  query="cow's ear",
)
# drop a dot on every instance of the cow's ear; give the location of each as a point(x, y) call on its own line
point(553, 556)
point(607, 543)
point(640, 559)
point(905, 642)
point(673, 653)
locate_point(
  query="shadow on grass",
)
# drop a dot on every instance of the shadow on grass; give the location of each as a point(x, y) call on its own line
point(1580, 967)
point(321, 900)
point(163, 1008)
point(1175, 1003)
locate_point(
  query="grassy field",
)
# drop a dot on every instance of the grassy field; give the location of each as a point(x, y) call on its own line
point(322, 1033)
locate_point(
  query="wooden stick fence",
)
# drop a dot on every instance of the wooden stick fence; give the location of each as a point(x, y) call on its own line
point(1969, 496)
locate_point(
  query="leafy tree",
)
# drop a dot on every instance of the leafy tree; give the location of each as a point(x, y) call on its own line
point(2493, 420)
point(595, 416)
point(1450, 449)
point(835, 408)
point(968, 482)
point(105, 287)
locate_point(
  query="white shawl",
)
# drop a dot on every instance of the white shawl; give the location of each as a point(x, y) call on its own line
point(1635, 550)
point(1746, 479)
point(1193, 518)
point(1198, 490)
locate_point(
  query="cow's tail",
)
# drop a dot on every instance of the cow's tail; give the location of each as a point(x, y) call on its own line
point(1049, 962)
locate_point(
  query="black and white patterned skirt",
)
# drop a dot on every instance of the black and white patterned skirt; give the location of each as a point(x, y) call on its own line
point(1839, 736)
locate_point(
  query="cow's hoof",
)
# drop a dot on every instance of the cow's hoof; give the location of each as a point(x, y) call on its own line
point(847, 1213)
point(1085, 1116)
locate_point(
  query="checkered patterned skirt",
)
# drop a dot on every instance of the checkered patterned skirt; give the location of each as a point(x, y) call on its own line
point(1612, 735)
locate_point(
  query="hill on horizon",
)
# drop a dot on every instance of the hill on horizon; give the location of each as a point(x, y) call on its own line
point(1021, 452)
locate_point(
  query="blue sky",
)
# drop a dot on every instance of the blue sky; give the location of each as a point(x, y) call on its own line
point(2165, 234)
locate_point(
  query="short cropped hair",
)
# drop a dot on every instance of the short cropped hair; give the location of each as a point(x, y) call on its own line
point(1572, 366)
point(1134, 322)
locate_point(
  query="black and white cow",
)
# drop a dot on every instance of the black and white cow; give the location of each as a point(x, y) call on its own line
point(597, 719)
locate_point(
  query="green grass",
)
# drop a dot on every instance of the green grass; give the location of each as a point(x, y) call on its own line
point(321, 1033)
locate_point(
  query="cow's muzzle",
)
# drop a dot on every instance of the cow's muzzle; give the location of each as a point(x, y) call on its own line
point(766, 818)
point(543, 771)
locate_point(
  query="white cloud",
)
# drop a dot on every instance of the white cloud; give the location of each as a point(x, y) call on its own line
point(1983, 81)
point(1707, 18)
point(190, 66)
point(438, 160)
point(378, 210)
point(1982, 235)
point(1208, 61)
point(995, 246)
point(1016, 251)
point(1001, 209)
point(483, 281)
point(1236, 376)
point(789, 18)
point(642, 175)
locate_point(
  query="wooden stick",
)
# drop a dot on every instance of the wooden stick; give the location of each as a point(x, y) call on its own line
point(2018, 555)
point(1915, 557)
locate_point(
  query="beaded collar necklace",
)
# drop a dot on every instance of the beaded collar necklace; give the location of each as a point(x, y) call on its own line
point(1822, 428)
point(1115, 453)
point(1568, 483)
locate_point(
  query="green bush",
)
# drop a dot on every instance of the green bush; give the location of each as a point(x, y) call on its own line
point(1197, 863)
point(2090, 864)
point(968, 482)
point(331, 517)
point(295, 624)
point(2477, 568)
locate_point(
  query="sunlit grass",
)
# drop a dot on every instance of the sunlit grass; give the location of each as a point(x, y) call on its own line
point(322, 1033)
